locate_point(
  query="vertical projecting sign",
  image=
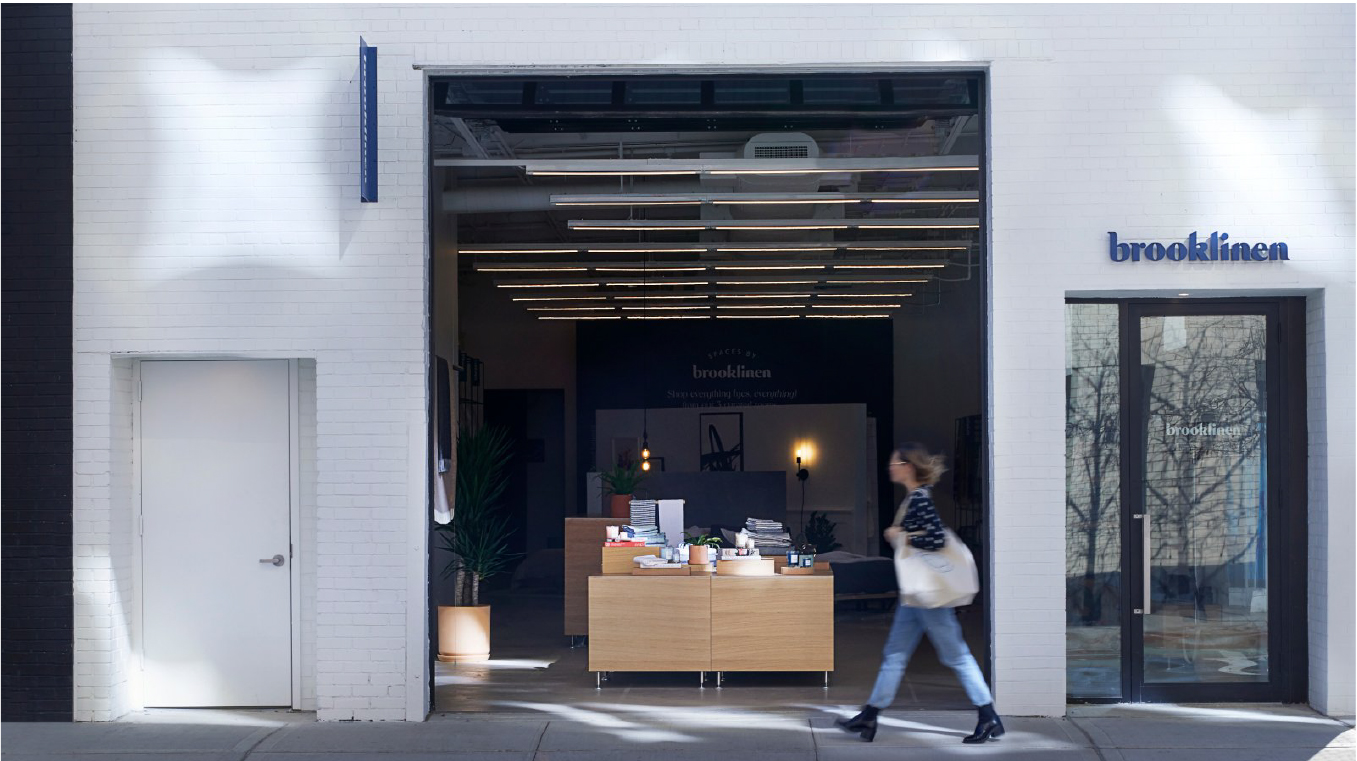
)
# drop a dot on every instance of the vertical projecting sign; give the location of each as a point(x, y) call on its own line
point(367, 121)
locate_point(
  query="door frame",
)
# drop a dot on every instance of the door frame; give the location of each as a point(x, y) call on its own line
point(138, 626)
point(1287, 489)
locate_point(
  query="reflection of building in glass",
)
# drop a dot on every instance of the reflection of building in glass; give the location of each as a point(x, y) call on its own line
point(1204, 449)
point(1092, 500)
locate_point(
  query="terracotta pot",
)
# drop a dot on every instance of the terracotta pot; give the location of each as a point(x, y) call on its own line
point(463, 633)
point(698, 554)
point(619, 507)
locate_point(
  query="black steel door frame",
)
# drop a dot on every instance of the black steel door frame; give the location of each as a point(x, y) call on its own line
point(1287, 556)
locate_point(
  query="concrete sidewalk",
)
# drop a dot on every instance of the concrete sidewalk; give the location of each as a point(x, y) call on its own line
point(603, 732)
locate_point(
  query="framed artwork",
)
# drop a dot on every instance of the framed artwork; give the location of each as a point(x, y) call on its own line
point(721, 438)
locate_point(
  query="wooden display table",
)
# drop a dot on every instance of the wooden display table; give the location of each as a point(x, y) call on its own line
point(709, 622)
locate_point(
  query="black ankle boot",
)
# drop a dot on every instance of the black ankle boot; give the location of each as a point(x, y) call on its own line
point(988, 728)
point(864, 723)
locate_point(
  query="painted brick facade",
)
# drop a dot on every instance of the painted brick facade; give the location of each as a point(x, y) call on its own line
point(216, 213)
point(37, 413)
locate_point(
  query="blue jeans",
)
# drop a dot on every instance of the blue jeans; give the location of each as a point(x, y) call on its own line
point(945, 633)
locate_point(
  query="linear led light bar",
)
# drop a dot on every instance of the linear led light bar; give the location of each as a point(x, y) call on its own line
point(661, 296)
point(788, 247)
point(760, 306)
point(757, 199)
point(874, 282)
point(611, 172)
point(571, 309)
point(483, 268)
point(561, 298)
point(766, 282)
point(897, 247)
point(855, 306)
point(630, 225)
point(861, 295)
point(846, 316)
point(764, 296)
point(669, 307)
point(888, 266)
point(639, 284)
point(546, 285)
point(769, 267)
point(656, 250)
point(659, 268)
point(668, 317)
point(757, 316)
point(894, 169)
point(519, 250)
point(580, 317)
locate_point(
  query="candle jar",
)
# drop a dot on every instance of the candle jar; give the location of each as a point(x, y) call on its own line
point(793, 557)
point(610, 532)
point(807, 557)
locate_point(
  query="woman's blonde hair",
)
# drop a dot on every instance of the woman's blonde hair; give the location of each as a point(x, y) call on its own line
point(927, 465)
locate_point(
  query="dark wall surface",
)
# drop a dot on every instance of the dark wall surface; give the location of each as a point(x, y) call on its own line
point(725, 363)
point(35, 362)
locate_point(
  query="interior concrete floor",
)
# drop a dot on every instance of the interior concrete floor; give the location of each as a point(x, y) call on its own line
point(533, 665)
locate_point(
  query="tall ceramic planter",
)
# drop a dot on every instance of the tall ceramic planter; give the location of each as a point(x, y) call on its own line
point(463, 633)
point(697, 554)
point(619, 507)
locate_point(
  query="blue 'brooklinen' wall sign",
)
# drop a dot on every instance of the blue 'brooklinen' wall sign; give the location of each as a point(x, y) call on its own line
point(1216, 248)
point(367, 122)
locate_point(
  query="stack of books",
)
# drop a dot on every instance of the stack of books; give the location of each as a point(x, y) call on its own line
point(768, 535)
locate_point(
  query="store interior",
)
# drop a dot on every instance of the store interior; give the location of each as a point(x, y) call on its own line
point(743, 291)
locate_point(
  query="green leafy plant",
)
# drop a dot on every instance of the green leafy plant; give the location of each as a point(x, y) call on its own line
point(702, 540)
point(820, 532)
point(478, 534)
point(624, 478)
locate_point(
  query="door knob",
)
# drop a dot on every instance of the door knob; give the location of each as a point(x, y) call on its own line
point(275, 560)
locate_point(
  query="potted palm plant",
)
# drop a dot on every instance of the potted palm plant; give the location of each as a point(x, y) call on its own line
point(621, 483)
point(477, 537)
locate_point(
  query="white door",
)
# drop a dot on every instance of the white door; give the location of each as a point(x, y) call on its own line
point(215, 490)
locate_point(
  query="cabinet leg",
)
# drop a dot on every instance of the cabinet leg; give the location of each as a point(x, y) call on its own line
point(718, 680)
point(701, 679)
point(598, 680)
point(826, 680)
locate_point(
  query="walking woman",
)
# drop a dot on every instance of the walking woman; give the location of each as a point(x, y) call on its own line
point(917, 522)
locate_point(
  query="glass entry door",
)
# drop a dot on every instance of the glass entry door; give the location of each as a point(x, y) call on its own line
point(1195, 549)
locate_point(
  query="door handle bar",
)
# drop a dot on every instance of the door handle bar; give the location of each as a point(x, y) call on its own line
point(275, 560)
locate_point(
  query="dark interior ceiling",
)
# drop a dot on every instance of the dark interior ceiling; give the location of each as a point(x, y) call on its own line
point(594, 190)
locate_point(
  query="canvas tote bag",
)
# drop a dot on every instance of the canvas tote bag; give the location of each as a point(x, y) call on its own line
point(944, 578)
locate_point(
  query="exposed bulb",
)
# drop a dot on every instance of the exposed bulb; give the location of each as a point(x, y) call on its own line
point(645, 465)
point(645, 454)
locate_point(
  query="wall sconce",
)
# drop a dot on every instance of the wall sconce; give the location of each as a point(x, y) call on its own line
point(804, 453)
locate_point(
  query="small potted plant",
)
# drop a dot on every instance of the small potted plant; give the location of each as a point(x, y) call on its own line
point(699, 548)
point(621, 483)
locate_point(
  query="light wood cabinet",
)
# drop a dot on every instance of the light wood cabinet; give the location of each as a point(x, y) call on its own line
point(583, 538)
point(650, 623)
point(711, 623)
point(772, 623)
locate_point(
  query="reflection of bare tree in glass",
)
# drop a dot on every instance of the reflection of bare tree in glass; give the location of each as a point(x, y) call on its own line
point(1203, 489)
point(1093, 449)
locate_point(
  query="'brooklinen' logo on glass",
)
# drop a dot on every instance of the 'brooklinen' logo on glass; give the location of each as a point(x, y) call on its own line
point(1216, 248)
point(1203, 429)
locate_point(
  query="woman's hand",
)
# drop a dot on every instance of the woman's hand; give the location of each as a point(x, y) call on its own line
point(892, 532)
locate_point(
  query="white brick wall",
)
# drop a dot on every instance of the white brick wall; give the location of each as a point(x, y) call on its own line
point(215, 182)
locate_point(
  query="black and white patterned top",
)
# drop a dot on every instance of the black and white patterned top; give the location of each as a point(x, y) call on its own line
point(917, 513)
